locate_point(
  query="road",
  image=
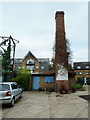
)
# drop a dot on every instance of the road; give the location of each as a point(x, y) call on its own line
point(34, 104)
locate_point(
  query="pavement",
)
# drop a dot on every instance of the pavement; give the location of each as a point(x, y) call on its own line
point(36, 104)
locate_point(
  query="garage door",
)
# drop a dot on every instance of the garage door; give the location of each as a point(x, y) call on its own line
point(36, 83)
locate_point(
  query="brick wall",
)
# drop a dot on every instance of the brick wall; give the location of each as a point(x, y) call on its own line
point(44, 85)
point(36, 63)
point(83, 74)
point(61, 56)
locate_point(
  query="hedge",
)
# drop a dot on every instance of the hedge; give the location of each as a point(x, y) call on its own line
point(23, 80)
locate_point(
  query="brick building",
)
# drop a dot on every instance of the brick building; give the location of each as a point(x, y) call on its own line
point(31, 63)
point(17, 64)
point(45, 62)
point(82, 70)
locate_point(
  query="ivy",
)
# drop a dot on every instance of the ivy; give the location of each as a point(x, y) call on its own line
point(6, 60)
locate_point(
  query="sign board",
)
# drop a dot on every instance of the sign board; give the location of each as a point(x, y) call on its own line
point(62, 73)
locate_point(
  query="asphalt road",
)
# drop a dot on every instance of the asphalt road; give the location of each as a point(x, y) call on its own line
point(35, 104)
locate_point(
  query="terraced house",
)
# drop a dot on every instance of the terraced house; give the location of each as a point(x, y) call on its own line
point(82, 70)
point(31, 63)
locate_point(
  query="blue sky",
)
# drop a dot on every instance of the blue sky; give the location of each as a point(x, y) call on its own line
point(33, 24)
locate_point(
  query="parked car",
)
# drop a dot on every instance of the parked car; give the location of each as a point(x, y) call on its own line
point(9, 93)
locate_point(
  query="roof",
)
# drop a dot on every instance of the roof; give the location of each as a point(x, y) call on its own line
point(18, 60)
point(28, 54)
point(44, 74)
point(81, 65)
point(44, 60)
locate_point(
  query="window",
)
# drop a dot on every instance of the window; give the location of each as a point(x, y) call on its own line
point(19, 67)
point(87, 66)
point(77, 73)
point(78, 67)
point(30, 61)
point(32, 67)
point(4, 87)
point(14, 86)
point(28, 67)
point(49, 79)
point(27, 61)
point(80, 73)
point(87, 73)
point(37, 67)
point(42, 67)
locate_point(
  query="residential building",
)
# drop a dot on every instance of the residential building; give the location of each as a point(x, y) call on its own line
point(82, 70)
point(45, 62)
point(31, 63)
point(17, 64)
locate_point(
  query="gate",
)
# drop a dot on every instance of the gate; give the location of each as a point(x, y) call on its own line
point(36, 83)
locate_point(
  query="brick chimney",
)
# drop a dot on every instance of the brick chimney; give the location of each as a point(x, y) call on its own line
point(61, 59)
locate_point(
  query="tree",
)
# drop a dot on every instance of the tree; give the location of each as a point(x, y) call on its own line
point(6, 60)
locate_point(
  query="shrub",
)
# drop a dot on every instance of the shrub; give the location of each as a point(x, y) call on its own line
point(82, 89)
point(80, 80)
point(78, 85)
point(23, 80)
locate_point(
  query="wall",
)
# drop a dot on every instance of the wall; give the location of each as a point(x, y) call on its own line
point(82, 75)
point(36, 63)
point(44, 85)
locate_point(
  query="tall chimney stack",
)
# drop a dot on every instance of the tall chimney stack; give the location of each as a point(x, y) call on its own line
point(61, 57)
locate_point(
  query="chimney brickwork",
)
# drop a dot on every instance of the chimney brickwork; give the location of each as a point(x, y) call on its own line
point(61, 57)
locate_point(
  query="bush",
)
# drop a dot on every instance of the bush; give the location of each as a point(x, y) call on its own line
point(78, 86)
point(82, 89)
point(80, 80)
point(23, 80)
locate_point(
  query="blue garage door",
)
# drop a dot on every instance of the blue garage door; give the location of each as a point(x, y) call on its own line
point(36, 83)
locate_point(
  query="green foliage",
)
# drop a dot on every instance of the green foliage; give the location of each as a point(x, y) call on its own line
point(82, 89)
point(78, 86)
point(24, 71)
point(80, 80)
point(23, 80)
point(70, 68)
point(51, 67)
point(6, 60)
